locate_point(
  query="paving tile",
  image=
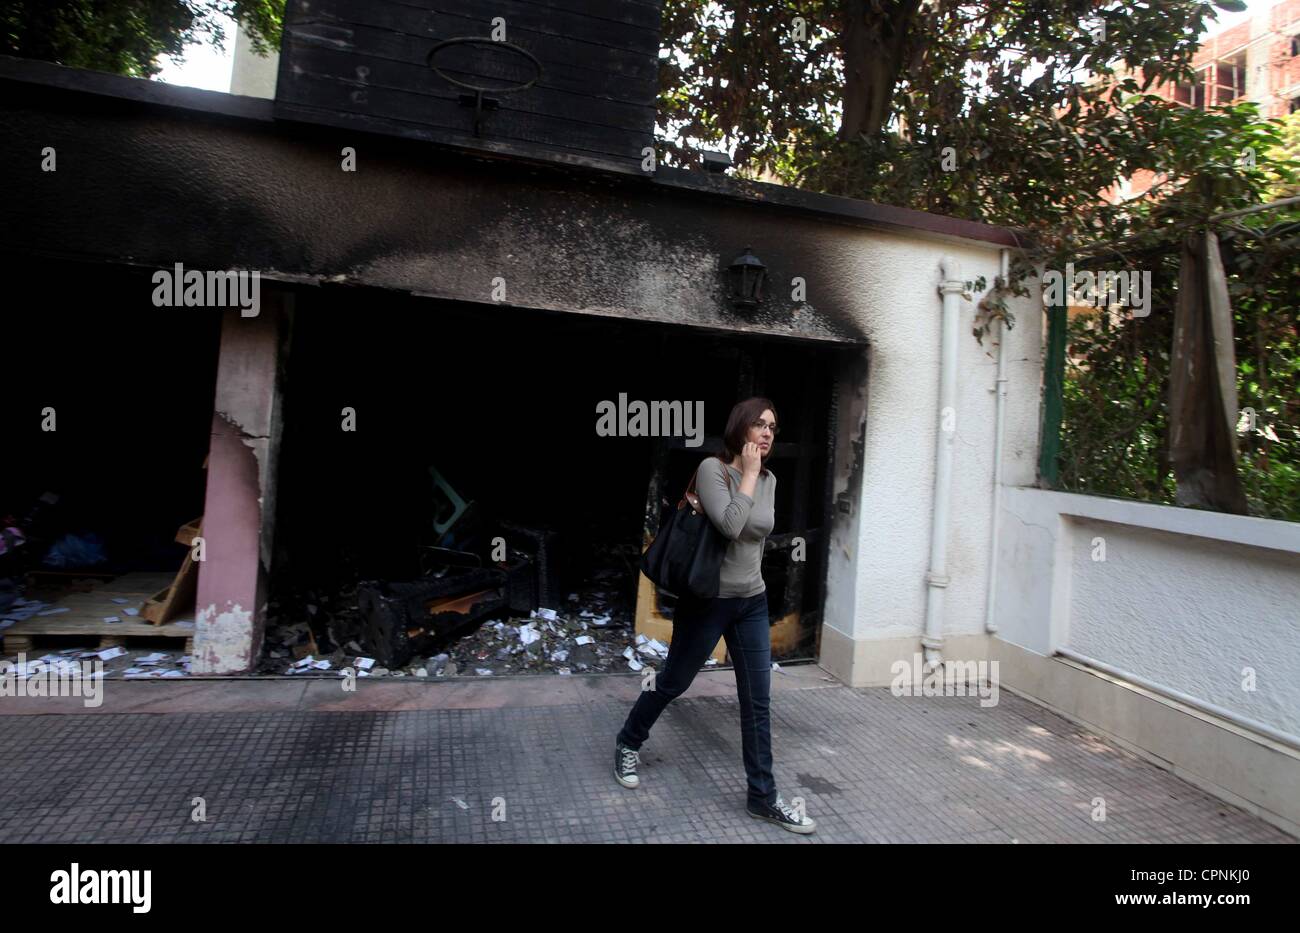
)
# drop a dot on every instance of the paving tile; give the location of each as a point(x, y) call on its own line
point(871, 767)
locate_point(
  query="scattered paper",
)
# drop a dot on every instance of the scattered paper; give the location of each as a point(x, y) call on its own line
point(109, 654)
point(112, 618)
point(131, 612)
point(119, 600)
point(365, 664)
point(528, 634)
point(583, 640)
point(54, 612)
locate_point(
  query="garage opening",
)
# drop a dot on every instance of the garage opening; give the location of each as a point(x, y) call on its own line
point(446, 505)
point(106, 426)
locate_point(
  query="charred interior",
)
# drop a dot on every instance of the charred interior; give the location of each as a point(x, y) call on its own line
point(440, 469)
point(114, 471)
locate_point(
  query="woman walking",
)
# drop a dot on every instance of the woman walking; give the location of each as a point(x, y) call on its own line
point(737, 493)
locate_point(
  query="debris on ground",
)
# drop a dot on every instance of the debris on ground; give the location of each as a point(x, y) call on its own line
point(591, 632)
point(118, 662)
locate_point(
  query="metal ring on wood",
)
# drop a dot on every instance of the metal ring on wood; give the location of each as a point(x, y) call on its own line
point(490, 43)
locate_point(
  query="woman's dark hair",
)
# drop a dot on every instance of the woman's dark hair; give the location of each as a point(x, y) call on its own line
point(742, 416)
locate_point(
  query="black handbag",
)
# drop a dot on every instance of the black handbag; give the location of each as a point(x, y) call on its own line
point(685, 558)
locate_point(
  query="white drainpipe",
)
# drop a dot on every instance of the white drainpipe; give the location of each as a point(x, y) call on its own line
point(936, 580)
point(1000, 387)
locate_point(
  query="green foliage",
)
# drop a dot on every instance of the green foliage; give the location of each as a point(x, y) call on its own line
point(1285, 154)
point(129, 36)
point(995, 87)
point(1114, 429)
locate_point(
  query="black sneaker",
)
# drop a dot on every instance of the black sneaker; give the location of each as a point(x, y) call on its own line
point(625, 762)
point(783, 815)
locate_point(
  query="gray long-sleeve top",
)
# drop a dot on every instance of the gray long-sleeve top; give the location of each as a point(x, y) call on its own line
point(744, 520)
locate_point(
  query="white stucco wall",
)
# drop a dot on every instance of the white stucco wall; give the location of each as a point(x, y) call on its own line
point(1184, 599)
point(251, 74)
point(902, 319)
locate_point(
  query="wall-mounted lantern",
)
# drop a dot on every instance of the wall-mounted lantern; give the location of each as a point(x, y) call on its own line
point(748, 275)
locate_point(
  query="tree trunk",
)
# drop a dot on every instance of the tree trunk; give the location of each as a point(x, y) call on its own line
point(1202, 384)
point(875, 41)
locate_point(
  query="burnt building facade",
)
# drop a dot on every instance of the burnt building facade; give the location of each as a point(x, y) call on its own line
point(453, 275)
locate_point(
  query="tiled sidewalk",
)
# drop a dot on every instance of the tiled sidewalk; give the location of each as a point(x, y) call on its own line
point(872, 768)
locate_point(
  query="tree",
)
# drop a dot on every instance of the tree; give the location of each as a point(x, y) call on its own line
point(989, 110)
point(129, 36)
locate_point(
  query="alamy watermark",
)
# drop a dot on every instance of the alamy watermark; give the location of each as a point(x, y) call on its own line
point(1130, 289)
point(193, 288)
point(947, 679)
point(77, 885)
point(57, 677)
point(651, 419)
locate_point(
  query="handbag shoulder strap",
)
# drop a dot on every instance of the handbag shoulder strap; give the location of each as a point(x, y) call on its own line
point(690, 487)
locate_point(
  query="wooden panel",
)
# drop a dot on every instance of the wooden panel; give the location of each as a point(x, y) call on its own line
point(539, 28)
point(145, 584)
point(630, 81)
point(372, 35)
point(401, 91)
point(363, 64)
point(647, 13)
point(398, 107)
point(87, 611)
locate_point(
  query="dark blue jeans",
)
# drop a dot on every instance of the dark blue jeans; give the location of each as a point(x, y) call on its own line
point(697, 626)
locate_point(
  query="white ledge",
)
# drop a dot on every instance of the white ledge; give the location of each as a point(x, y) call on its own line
point(1271, 533)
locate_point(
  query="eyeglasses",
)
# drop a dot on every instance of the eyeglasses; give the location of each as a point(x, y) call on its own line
point(760, 424)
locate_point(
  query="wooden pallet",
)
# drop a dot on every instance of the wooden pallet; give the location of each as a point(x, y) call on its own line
point(179, 593)
point(86, 613)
